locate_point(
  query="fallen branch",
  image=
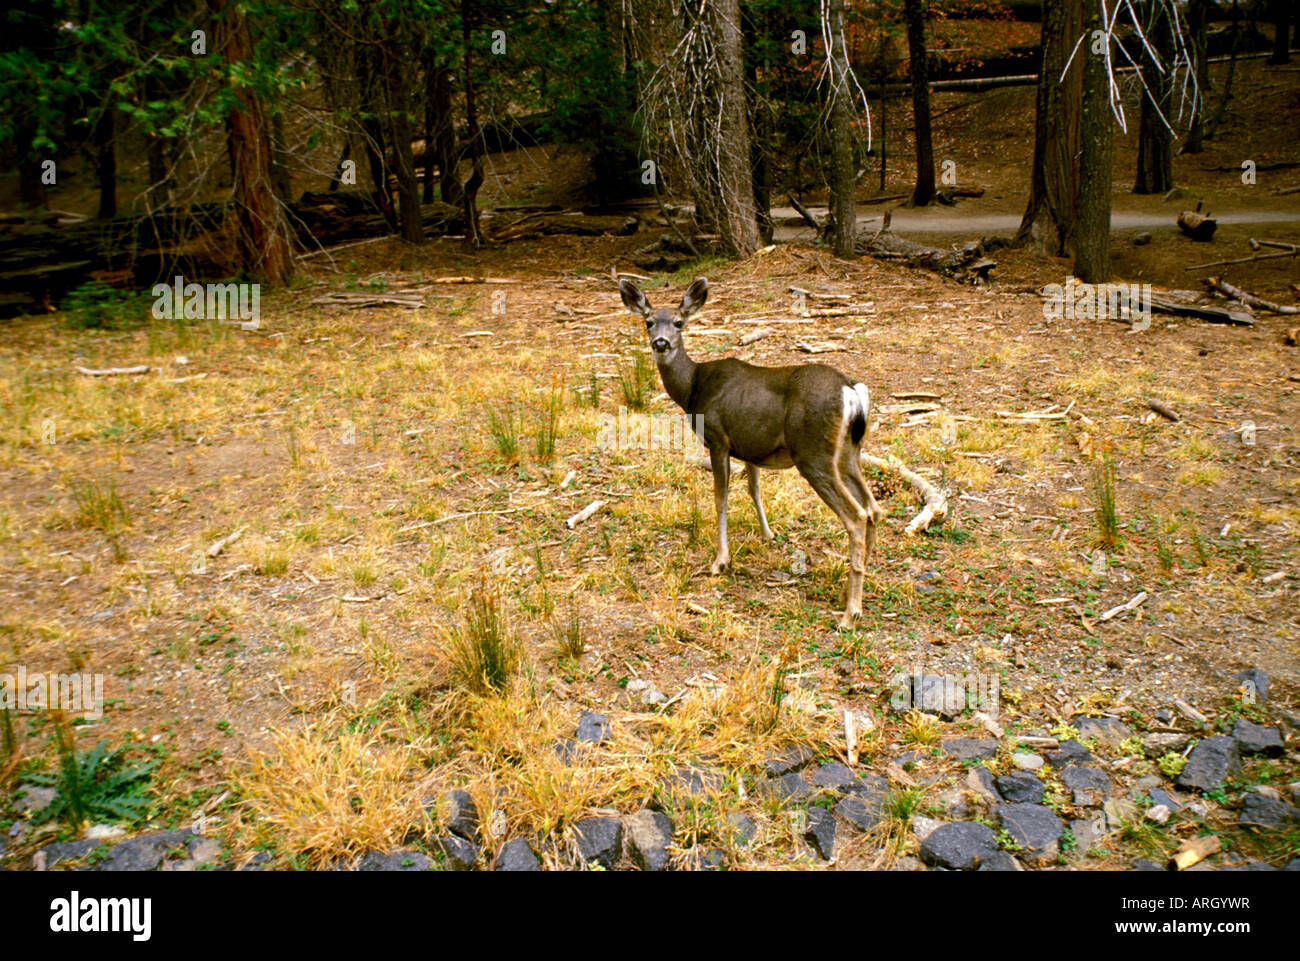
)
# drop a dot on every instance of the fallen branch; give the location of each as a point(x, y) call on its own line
point(219, 546)
point(1250, 300)
point(936, 504)
point(583, 514)
point(1163, 410)
point(113, 371)
point(1126, 606)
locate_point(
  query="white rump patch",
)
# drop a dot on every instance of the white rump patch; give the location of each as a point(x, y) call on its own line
point(857, 400)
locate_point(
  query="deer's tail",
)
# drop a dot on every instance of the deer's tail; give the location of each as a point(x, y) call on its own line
point(857, 407)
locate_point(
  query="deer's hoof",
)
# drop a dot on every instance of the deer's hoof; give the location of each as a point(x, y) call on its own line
point(720, 566)
point(849, 619)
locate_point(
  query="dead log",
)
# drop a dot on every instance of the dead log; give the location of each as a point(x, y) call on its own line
point(1215, 315)
point(966, 263)
point(1250, 300)
point(1198, 226)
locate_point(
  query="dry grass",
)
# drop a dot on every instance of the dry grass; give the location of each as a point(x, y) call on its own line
point(407, 610)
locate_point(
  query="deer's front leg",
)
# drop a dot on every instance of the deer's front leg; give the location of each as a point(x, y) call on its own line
point(721, 462)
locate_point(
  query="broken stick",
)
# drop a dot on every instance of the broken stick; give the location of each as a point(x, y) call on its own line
point(936, 504)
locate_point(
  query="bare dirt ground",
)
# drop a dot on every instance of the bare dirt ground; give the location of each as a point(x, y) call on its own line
point(300, 686)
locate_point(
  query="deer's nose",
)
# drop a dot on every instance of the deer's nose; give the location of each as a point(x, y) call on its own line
point(660, 344)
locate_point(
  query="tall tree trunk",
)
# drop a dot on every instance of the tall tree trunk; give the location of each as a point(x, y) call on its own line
point(1092, 241)
point(1155, 162)
point(106, 164)
point(408, 188)
point(372, 138)
point(1050, 218)
point(469, 195)
point(738, 221)
point(1222, 109)
point(1283, 12)
point(1197, 17)
point(262, 235)
point(844, 201)
point(761, 148)
point(444, 139)
point(915, 12)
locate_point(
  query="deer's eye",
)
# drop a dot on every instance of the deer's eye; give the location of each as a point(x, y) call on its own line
point(678, 324)
point(648, 324)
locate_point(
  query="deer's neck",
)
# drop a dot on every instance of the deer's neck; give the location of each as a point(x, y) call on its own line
point(678, 373)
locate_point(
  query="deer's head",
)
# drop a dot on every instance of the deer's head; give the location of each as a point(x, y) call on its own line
point(664, 325)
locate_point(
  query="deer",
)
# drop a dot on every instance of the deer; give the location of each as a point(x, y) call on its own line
point(811, 417)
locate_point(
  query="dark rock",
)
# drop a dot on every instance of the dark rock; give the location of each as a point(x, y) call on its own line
point(980, 780)
point(1254, 864)
point(1090, 785)
point(1257, 739)
point(1070, 752)
point(1266, 812)
point(833, 775)
point(457, 853)
point(649, 834)
point(566, 750)
point(969, 749)
point(593, 728)
point(910, 757)
point(960, 845)
point(1164, 717)
point(1164, 797)
point(1142, 864)
point(1256, 680)
point(1106, 730)
point(1292, 865)
point(1020, 788)
point(1035, 828)
point(144, 853)
point(871, 787)
point(257, 862)
point(516, 855)
point(820, 832)
point(393, 861)
point(999, 861)
point(743, 828)
point(791, 787)
point(1210, 762)
point(862, 813)
point(67, 851)
point(457, 812)
point(713, 859)
point(600, 840)
point(693, 782)
point(791, 759)
point(1142, 239)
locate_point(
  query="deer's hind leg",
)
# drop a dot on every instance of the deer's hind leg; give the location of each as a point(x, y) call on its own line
point(751, 472)
point(826, 478)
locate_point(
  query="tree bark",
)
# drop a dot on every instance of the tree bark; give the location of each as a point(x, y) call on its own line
point(106, 164)
point(469, 195)
point(1282, 13)
point(1197, 18)
point(262, 235)
point(1050, 218)
point(1092, 242)
point(738, 221)
point(844, 206)
point(1155, 162)
point(399, 122)
point(915, 13)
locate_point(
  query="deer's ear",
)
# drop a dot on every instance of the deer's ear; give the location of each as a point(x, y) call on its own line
point(696, 294)
point(633, 298)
